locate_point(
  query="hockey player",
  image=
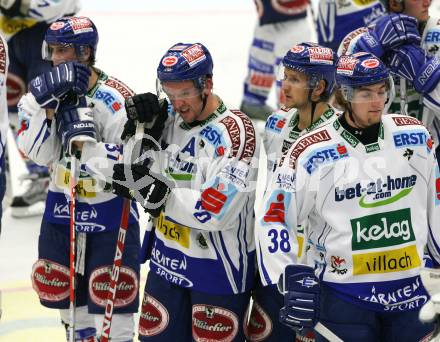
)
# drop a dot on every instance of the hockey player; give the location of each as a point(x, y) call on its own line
point(54, 130)
point(366, 185)
point(203, 249)
point(281, 25)
point(337, 18)
point(4, 122)
point(308, 80)
point(386, 41)
point(24, 23)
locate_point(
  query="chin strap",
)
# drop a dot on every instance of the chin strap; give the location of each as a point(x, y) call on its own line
point(313, 105)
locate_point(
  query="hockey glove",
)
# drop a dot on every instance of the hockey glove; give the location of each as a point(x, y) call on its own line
point(389, 32)
point(50, 86)
point(137, 182)
point(411, 63)
point(75, 123)
point(300, 288)
point(147, 109)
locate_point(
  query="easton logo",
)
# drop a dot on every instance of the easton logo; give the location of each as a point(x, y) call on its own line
point(382, 230)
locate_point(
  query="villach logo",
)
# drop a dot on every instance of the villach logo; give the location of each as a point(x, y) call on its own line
point(382, 230)
point(378, 193)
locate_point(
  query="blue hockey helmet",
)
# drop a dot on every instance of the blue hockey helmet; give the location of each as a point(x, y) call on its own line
point(317, 62)
point(183, 62)
point(79, 32)
point(361, 69)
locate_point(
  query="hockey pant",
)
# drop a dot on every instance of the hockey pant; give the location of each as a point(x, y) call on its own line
point(354, 323)
point(173, 313)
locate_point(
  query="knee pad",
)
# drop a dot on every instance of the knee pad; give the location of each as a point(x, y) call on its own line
point(85, 330)
point(122, 328)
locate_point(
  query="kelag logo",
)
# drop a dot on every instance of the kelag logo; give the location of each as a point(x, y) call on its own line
point(325, 155)
point(382, 230)
point(377, 193)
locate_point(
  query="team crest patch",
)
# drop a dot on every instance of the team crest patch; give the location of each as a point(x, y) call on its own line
point(126, 290)
point(154, 317)
point(212, 323)
point(370, 63)
point(50, 280)
point(259, 326)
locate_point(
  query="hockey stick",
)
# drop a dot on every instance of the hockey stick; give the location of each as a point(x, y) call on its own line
point(403, 98)
point(117, 262)
point(72, 181)
point(326, 333)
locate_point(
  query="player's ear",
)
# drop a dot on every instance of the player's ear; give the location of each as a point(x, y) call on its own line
point(86, 55)
point(209, 84)
point(396, 6)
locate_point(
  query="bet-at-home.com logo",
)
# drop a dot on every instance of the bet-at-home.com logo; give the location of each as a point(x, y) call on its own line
point(378, 193)
point(382, 230)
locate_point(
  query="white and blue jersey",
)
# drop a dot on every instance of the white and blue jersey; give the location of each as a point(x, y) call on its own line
point(96, 211)
point(204, 237)
point(372, 209)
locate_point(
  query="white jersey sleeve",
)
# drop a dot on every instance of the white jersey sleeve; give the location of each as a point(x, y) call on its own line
point(227, 181)
point(51, 10)
point(38, 141)
point(276, 230)
point(431, 44)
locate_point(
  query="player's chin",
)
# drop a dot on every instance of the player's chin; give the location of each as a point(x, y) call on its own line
point(374, 116)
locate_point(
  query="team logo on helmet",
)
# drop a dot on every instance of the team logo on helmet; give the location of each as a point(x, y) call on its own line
point(81, 24)
point(346, 65)
point(194, 54)
point(169, 61)
point(370, 63)
point(297, 49)
point(320, 55)
point(57, 25)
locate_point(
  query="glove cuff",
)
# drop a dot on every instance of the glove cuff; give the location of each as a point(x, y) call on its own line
point(428, 76)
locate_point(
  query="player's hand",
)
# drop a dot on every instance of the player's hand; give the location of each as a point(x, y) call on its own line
point(74, 122)
point(49, 87)
point(389, 32)
point(137, 182)
point(411, 63)
point(300, 288)
point(146, 109)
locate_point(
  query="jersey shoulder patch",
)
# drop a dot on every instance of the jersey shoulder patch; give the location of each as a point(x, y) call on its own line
point(3, 56)
point(403, 120)
point(121, 87)
point(303, 144)
point(250, 138)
